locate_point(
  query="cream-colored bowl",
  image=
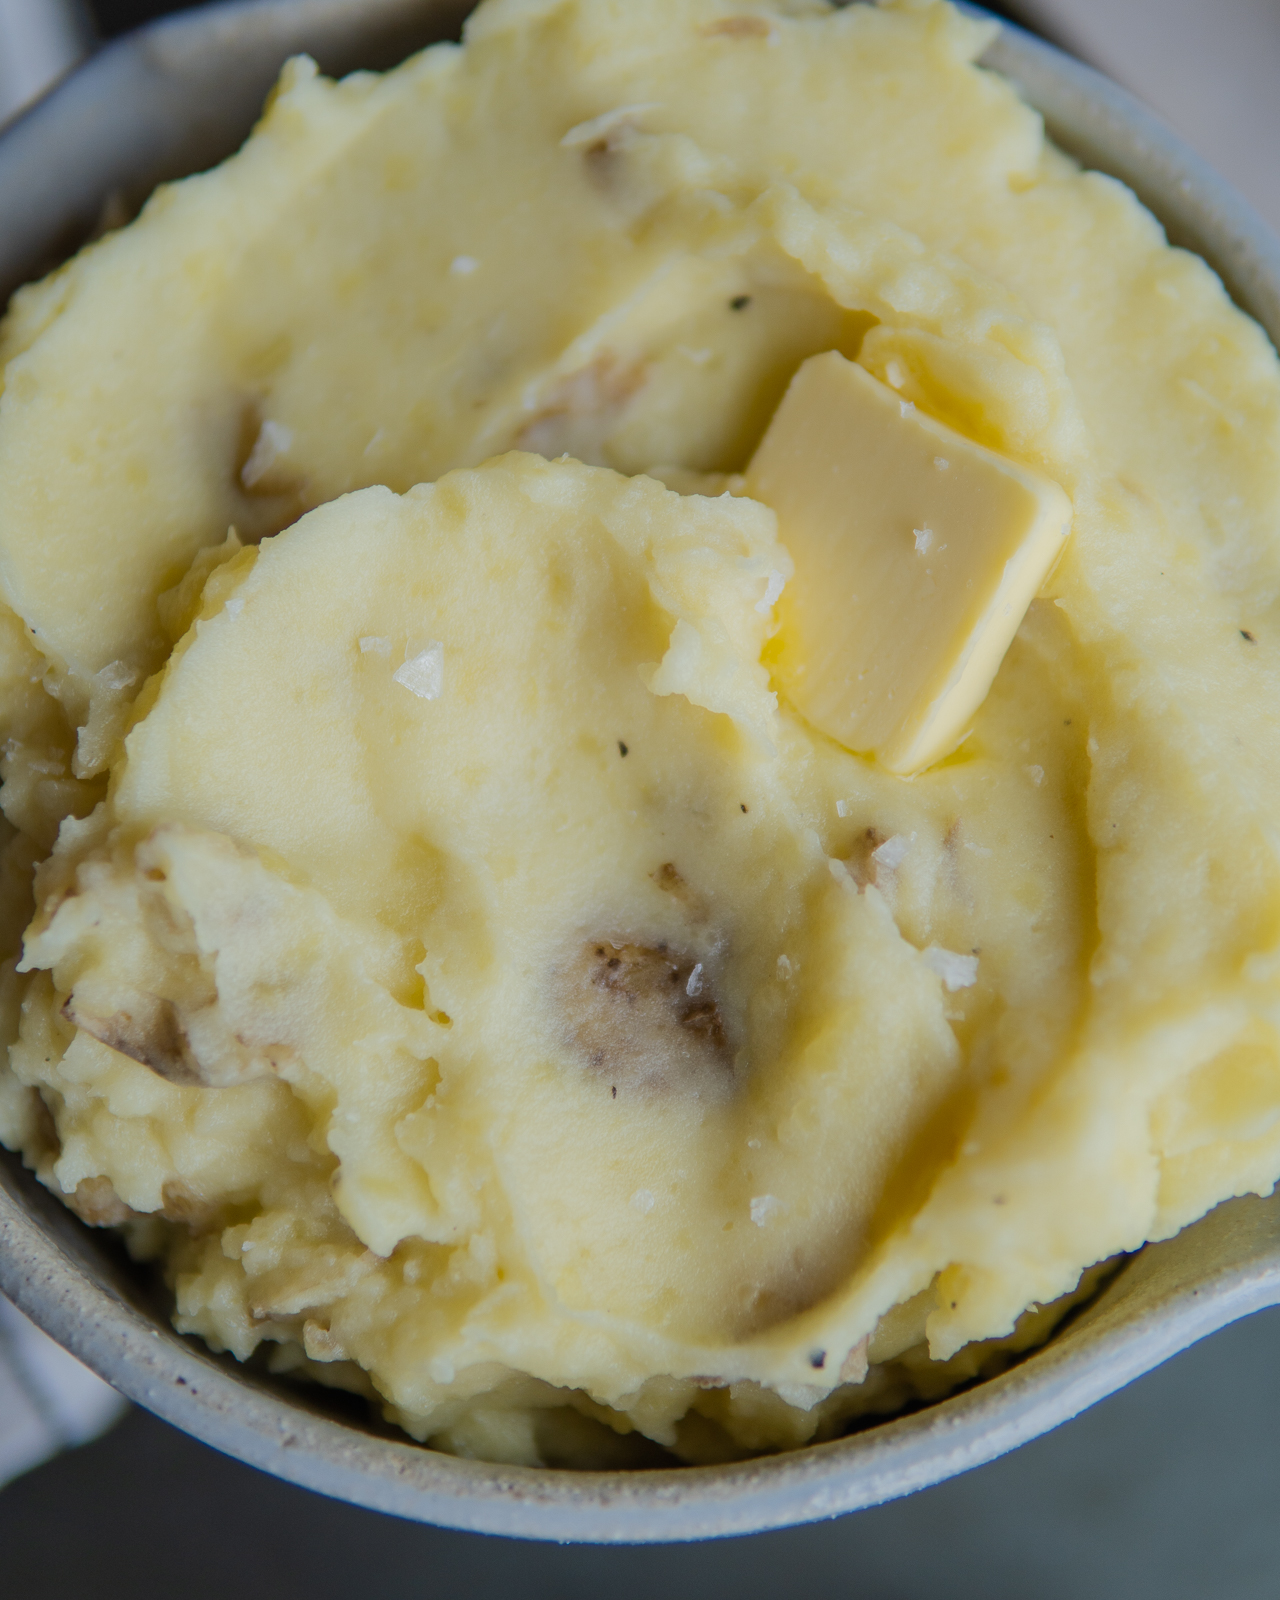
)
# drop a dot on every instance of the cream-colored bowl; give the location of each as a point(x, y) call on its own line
point(177, 97)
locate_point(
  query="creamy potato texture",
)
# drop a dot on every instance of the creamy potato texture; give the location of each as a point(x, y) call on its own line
point(450, 953)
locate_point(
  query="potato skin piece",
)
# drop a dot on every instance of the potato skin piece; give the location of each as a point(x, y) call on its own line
point(646, 1019)
point(149, 1032)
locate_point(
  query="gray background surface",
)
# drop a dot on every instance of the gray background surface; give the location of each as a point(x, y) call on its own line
point(1169, 1490)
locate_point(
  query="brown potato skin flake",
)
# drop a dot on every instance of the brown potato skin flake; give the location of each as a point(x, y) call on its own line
point(96, 1202)
point(634, 1021)
point(606, 384)
point(668, 877)
point(150, 1033)
point(181, 1204)
point(853, 1369)
point(736, 28)
point(671, 880)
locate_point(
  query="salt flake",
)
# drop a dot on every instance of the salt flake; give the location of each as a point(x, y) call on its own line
point(115, 677)
point(642, 1200)
point(893, 852)
point(272, 442)
point(463, 266)
point(956, 971)
point(372, 645)
point(598, 128)
point(777, 583)
point(764, 1207)
point(694, 985)
point(423, 674)
point(923, 538)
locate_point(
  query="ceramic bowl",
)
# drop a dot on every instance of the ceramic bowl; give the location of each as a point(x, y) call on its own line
point(172, 99)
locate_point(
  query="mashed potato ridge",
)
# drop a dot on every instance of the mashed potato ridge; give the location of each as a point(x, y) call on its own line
point(370, 830)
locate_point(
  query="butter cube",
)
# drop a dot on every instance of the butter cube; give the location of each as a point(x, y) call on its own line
point(917, 553)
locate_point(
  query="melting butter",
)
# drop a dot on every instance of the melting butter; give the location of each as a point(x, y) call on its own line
point(917, 554)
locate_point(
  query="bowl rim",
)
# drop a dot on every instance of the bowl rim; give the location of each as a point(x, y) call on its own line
point(65, 1278)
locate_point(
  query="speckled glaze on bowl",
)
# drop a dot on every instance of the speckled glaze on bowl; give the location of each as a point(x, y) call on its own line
point(177, 97)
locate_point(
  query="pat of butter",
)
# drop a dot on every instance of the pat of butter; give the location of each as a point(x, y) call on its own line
point(917, 553)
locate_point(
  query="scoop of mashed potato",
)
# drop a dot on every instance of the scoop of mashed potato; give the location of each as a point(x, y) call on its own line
point(455, 959)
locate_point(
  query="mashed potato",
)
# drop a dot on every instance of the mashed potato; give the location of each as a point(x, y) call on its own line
point(451, 955)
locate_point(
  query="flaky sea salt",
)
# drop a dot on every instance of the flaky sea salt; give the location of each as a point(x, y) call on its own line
point(114, 678)
point(372, 645)
point(233, 608)
point(642, 1200)
point(764, 1207)
point(694, 985)
point(941, 463)
point(803, 1396)
point(272, 442)
point(923, 538)
point(463, 266)
point(599, 128)
point(777, 583)
point(956, 971)
point(842, 808)
point(423, 674)
point(1036, 774)
point(893, 852)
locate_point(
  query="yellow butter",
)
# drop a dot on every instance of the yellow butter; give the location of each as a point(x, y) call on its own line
point(917, 554)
